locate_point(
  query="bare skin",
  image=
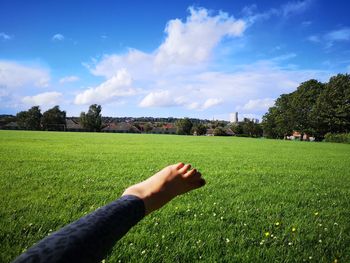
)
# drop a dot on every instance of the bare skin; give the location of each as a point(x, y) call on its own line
point(168, 183)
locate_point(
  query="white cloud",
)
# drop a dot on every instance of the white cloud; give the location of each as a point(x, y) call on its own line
point(258, 105)
point(167, 98)
point(134, 61)
point(338, 35)
point(5, 36)
point(43, 99)
point(285, 11)
point(69, 79)
point(187, 44)
point(57, 37)
point(161, 98)
point(15, 75)
point(209, 103)
point(314, 38)
point(171, 66)
point(295, 7)
point(115, 87)
point(192, 42)
point(329, 38)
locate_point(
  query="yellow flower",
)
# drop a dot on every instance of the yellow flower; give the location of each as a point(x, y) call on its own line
point(294, 229)
point(316, 213)
point(277, 223)
point(267, 234)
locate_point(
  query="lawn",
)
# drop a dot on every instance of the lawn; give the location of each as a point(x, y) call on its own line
point(265, 200)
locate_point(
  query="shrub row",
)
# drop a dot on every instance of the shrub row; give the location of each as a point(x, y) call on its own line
point(341, 137)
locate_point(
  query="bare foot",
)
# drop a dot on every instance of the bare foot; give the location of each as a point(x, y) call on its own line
point(168, 183)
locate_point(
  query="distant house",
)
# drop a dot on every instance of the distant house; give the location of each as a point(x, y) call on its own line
point(121, 127)
point(210, 132)
point(74, 126)
point(229, 132)
point(168, 128)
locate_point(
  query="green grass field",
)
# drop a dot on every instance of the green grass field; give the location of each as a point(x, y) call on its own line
point(265, 200)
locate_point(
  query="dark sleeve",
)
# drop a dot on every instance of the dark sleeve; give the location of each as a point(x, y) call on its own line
point(91, 237)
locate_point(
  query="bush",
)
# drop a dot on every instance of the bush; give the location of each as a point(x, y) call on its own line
point(340, 138)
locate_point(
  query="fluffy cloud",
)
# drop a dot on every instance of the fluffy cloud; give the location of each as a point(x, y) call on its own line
point(57, 37)
point(43, 99)
point(161, 98)
point(15, 75)
point(192, 42)
point(69, 79)
point(211, 102)
point(117, 86)
point(167, 98)
point(171, 66)
point(5, 36)
point(258, 104)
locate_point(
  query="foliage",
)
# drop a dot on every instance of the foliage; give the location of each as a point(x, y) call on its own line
point(341, 137)
point(31, 119)
point(251, 209)
point(219, 131)
point(199, 129)
point(92, 120)
point(147, 127)
point(314, 108)
point(247, 128)
point(183, 126)
point(332, 109)
point(54, 119)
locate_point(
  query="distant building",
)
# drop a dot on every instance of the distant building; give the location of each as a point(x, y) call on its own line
point(72, 125)
point(235, 117)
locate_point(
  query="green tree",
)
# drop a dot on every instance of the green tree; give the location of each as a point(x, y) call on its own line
point(237, 128)
point(147, 127)
point(183, 126)
point(199, 129)
point(332, 108)
point(92, 120)
point(302, 104)
point(219, 131)
point(30, 120)
point(54, 119)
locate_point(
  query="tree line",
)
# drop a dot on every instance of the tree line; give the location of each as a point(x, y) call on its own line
point(313, 109)
point(54, 119)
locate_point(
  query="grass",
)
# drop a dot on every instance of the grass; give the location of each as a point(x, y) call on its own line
point(265, 200)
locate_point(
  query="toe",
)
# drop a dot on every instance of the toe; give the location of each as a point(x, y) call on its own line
point(190, 173)
point(179, 165)
point(184, 169)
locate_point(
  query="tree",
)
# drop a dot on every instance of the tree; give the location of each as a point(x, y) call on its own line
point(332, 108)
point(278, 122)
point(237, 128)
point(269, 123)
point(183, 126)
point(302, 104)
point(219, 131)
point(199, 129)
point(30, 119)
point(147, 127)
point(54, 119)
point(252, 129)
point(92, 120)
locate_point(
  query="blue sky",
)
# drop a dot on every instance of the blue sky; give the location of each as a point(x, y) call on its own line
point(202, 59)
